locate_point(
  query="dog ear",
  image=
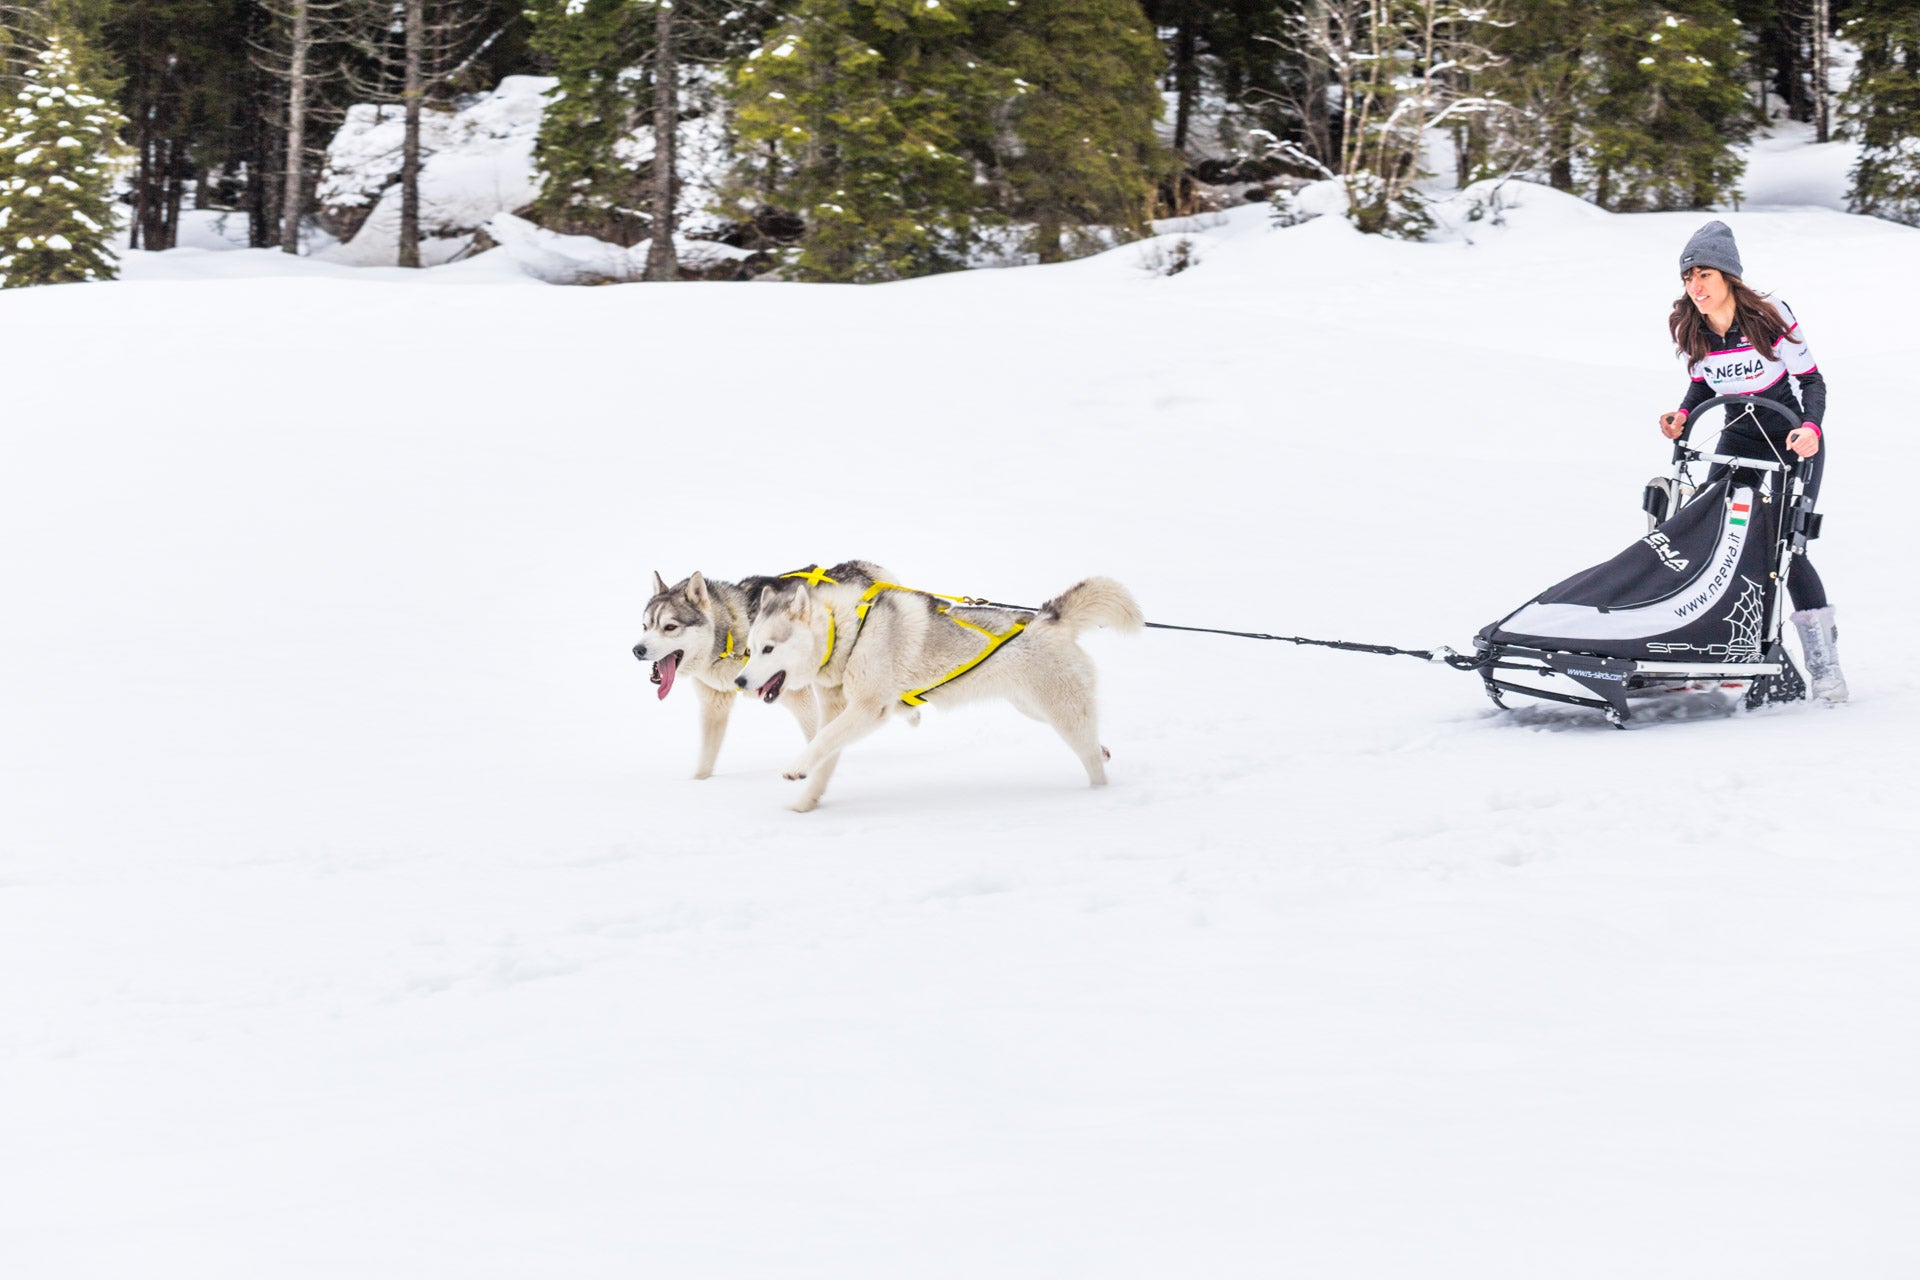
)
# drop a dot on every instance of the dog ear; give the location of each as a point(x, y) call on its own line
point(697, 590)
point(766, 599)
point(659, 584)
point(800, 608)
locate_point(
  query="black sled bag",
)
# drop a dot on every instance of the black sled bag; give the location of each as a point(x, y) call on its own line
point(1696, 589)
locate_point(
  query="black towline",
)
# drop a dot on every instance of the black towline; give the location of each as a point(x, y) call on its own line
point(1458, 661)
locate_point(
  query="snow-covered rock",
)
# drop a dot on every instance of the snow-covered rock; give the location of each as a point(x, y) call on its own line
point(477, 161)
point(1315, 200)
point(561, 259)
point(478, 164)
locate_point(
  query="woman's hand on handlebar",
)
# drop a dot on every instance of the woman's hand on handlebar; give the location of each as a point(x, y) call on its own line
point(1804, 441)
point(1672, 423)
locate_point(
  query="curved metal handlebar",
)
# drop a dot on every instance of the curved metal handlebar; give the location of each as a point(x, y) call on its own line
point(1735, 460)
point(1680, 445)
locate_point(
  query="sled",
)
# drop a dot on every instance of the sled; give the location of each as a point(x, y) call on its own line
point(1699, 602)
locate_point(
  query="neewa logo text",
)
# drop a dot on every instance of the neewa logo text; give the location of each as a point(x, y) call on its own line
point(1663, 547)
point(1732, 370)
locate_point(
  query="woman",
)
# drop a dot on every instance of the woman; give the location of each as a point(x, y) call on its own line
point(1738, 342)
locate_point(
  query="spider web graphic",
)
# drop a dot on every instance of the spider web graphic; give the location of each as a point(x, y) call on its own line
point(1745, 622)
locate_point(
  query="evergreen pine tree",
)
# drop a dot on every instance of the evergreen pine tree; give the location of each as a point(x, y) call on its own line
point(1546, 72)
point(1233, 52)
point(631, 73)
point(193, 102)
point(1084, 151)
point(901, 130)
point(1671, 106)
point(1271, 90)
point(595, 48)
point(1634, 104)
point(56, 200)
point(1882, 107)
point(868, 119)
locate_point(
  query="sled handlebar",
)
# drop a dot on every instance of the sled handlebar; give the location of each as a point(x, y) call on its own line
point(1680, 446)
point(1733, 460)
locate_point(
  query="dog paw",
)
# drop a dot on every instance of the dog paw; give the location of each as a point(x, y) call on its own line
point(703, 775)
point(1105, 754)
point(805, 806)
point(796, 774)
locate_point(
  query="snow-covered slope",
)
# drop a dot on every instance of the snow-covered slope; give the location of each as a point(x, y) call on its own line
point(1786, 168)
point(359, 917)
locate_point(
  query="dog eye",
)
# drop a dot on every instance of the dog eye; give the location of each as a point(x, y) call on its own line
point(670, 627)
point(766, 648)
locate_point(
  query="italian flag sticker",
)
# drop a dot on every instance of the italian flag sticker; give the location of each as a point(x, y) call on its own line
point(1739, 515)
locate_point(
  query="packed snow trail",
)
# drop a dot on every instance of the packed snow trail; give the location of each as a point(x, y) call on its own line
point(360, 918)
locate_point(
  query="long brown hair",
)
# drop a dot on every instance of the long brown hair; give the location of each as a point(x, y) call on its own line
point(1760, 323)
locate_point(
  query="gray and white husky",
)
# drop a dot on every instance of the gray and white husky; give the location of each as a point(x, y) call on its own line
point(698, 628)
point(871, 650)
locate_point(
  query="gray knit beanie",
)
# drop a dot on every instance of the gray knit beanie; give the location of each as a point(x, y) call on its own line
point(1712, 246)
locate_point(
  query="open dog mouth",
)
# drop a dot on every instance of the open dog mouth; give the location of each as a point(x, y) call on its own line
point(771, 689)
point(663, 671)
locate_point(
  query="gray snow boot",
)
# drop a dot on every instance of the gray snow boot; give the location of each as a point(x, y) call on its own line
point(1818, 641)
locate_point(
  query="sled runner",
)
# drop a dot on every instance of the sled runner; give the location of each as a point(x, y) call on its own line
point(1700, 599)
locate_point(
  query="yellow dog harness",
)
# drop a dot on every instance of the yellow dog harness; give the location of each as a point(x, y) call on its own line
point(912, 697)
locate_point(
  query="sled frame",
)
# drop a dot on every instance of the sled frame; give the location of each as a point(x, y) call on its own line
point(1607, 683)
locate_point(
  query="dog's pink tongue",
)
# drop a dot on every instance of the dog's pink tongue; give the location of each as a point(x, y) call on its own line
point(668, 665)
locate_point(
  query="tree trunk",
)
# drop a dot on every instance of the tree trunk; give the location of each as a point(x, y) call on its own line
point(1186, 77)
point(176, 193)
point(1321, 143)
point(157, 194)
point(290, 201)
point(1796, 95)
point(411, 93)
point(1560, 165)
point(1822, 26)
point(264, 186)
point(662, 262)
point(141, 187)
point(260, 220)
point(161, 180)
point(1046, 238)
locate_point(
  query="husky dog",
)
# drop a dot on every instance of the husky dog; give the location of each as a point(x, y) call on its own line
point(700, 628)
point(871, 649)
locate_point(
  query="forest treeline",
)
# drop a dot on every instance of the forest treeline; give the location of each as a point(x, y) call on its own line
point(875, 139)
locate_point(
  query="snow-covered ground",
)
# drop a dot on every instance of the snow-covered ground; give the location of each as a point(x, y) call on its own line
point(359, 919)
point(1787, 168)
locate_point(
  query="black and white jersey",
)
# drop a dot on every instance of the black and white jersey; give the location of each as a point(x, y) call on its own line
point(1734, 368)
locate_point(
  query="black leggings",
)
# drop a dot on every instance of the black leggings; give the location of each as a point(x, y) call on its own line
point(1804, 587)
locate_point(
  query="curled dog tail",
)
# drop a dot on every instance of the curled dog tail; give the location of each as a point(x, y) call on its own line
point(1097, 602)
